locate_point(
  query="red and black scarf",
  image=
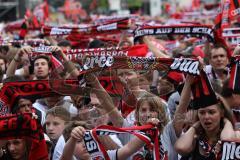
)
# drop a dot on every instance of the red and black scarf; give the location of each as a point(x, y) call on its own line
point(12, 91)
point(32, 90)
point(203, 30)
point(107, 28)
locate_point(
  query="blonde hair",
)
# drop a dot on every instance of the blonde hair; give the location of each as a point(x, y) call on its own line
point(157, 105)
point(59, 112)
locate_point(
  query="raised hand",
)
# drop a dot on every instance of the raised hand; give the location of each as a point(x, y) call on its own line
point(78, 133)
point(24, 50)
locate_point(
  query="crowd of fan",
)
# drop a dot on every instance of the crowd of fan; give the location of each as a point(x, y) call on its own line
point(154, 97)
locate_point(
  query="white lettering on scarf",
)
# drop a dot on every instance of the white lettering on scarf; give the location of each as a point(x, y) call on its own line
point(60, 31)
point(231, 151)
point(182, 30)
point(103, 61)
point(107, 27)
point(144, 32)
point(141, 63)
point(163, 30)
point(185, 65)
point(42, 49)
point(235, 12)
point(202, 30)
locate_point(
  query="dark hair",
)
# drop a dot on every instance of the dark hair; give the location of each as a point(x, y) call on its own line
point(15, 108)
point(4, 58)
point(64, 43)
point(217, 46)
point(96, 44)
point(4, 48)
point(47, 58)
point(8, 155)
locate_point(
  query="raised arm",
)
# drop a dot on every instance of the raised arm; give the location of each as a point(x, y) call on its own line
point(76, 135)
point(130, 148)
point(17, 60)
point(154, 49)
point(187, 141)
point(68, 65)
point(181, 110)
point(106, 101)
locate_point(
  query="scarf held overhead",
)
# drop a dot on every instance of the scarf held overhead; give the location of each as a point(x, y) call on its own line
point(32, 90)
point(78, 54)
point(110, 27)
point(93, 64)
point(204, 30)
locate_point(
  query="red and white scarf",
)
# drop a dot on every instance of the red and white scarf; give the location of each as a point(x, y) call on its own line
point(109, 28)
point(31, 42)
point(97, 150)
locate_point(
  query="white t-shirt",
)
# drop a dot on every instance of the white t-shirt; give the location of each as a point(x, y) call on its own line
point(58, 150)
